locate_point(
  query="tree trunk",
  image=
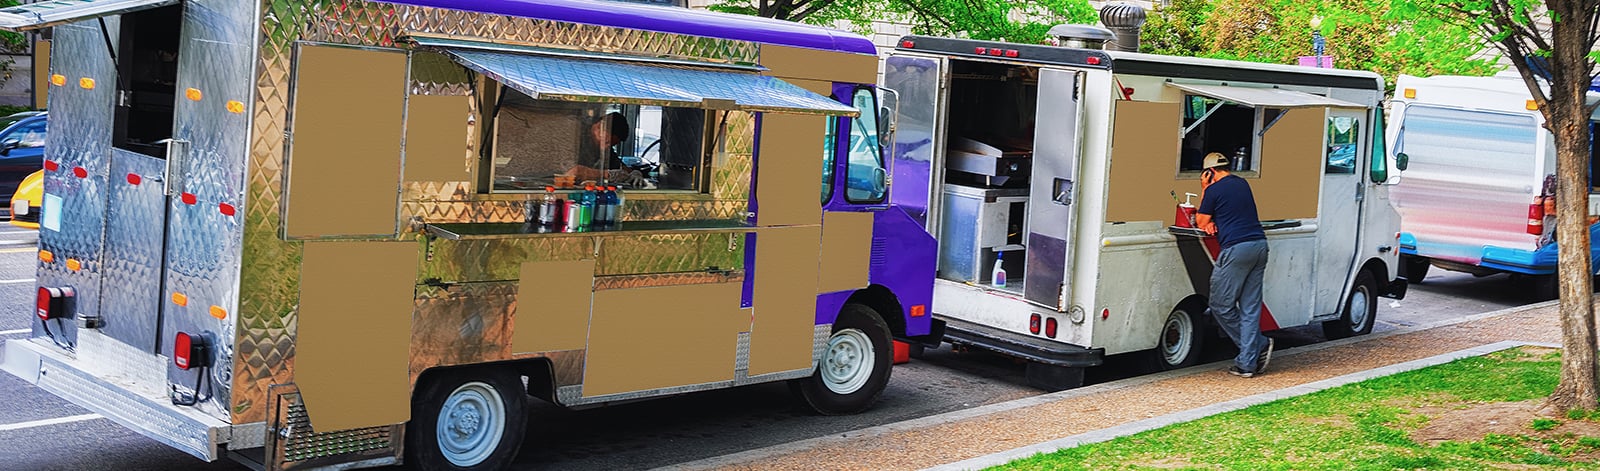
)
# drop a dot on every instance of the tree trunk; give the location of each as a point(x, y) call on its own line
point(1567, 119)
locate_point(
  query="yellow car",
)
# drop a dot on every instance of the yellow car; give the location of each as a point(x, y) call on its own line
point(25, 202)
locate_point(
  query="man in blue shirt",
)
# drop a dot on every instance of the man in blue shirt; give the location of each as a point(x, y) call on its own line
point(1228, 211)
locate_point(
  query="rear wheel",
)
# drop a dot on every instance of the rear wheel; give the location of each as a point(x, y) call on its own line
point(855, 364)
point(1415, 268)
point(1180, 343)
point(471, 419)
point(1360, 310)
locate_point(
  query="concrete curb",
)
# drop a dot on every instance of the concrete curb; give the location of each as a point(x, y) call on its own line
point(956, 416)
point(1131, 428)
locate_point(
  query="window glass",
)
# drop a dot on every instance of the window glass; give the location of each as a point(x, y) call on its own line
point(540, 143)
point(865, 177)
point(1463, 145)
point(1380, 154)
point(1229, 130)
point(829, 147)
point(1344, 135)
point(29, 135)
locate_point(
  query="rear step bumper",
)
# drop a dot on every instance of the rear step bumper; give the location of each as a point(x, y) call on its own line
point(1033, 349)
point(150, 412)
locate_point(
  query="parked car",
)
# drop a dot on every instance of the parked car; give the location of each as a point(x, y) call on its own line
point(25, 202)
point(21, 148)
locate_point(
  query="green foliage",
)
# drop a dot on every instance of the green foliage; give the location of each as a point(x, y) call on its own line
point(987, 20)
point(1360, 426)
point(1545, 424)
point(1361, 34)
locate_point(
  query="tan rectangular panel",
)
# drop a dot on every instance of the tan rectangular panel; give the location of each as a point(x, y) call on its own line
point(819, 87)
point(436, 138)
point(352, 348)
point(789, 169)
point(1291, 166)
point(846, 251)
point(1144, 162)
point(344, 160)
point(661, 337)
point(785, 299)
point(41, 74)
point(553, 300)
point(802, 63)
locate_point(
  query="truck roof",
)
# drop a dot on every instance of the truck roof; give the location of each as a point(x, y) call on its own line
point(1504, 92)
point(665, 19)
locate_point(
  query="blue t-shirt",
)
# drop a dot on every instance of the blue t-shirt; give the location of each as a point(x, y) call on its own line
point(1233, 209)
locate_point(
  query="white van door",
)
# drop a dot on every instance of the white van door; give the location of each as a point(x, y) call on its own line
point(1052, 189)
point(1345, 146)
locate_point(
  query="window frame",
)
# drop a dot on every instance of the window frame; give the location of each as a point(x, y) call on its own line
point(1260, 123)
point(882, 169)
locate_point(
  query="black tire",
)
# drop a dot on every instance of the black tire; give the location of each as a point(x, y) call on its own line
point(1363, 293)
point(1053, 378)
point(1180, 341)
point(841, 390)
point(1544, 287)
point(1414, 268)
point(475, 390)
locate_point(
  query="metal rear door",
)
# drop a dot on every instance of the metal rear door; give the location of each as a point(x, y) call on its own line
point(135, 239)
point(919, 133)
point(1052, 189)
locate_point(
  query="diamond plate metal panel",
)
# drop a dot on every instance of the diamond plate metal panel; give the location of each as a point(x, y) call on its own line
point(462, 324)
point(603, 283)
point(133, 243)
point(461, 261)
point(435, 74)
point(670, 253)
point(295, 445)
point(731, 172)
point(79, 139)
point(555, 33)
point(635, 209)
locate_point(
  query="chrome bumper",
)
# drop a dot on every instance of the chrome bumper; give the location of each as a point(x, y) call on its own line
point(142, 407)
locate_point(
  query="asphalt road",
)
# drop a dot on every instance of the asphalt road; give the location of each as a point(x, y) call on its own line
point(41, 432)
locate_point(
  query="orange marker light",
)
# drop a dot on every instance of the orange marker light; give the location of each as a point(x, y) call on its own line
point(1532, 105)
point(1411, 93)
point(918, 310)
point(219, 312)
point(235, 106)
point(74, 265)
point(47, 257)
point(193, 94)
point(180, 299)
point(87, 83)
point(58, 80)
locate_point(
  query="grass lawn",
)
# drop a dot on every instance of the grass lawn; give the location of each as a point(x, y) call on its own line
point(1474, 413)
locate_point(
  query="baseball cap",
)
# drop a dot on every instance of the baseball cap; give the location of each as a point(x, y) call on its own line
point(1214, 160)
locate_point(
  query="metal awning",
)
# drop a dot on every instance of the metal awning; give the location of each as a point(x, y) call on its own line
point(1264, 97)
point(54, 12)
point(589, 80)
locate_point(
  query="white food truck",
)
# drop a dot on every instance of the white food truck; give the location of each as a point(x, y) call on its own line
point(1061, 164)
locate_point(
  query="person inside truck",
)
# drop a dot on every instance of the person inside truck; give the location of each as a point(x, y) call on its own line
point(598, 158)
point(1228, 211)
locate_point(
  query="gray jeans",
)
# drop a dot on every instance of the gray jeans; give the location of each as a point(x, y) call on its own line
point(1236, 299)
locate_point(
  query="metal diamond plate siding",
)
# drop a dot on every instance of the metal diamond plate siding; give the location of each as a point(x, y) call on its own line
point(203, 241)
point(133, 243)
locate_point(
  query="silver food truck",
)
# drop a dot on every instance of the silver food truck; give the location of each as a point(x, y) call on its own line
point(343, 233)
point(1061, 166)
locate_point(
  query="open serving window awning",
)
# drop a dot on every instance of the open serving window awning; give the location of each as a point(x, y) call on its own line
point(590, 80)
point(54, 12)
point(1264, 97)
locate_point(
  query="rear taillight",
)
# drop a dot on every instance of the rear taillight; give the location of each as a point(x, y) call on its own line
point(1050, 327)
point(191, 351)
point(55, 303)
point(1536, 217)
point(1033, 324)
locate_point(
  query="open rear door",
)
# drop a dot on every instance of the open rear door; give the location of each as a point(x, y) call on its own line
point(1053, 189)
point(49, 13)
point(919, 82)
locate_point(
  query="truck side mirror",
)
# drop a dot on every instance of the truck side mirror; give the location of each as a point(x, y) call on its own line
point(888, 113)
point(1401, 160)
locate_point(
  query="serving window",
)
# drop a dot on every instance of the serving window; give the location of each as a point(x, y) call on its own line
point(539, 143)
point(1213, 125)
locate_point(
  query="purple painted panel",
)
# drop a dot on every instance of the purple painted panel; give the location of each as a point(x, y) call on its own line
point(828, 305)
point(666, 20)
point(903, 257)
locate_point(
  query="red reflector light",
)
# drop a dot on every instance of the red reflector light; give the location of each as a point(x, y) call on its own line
point(1050, 327)
point(44, 303)
point(1033, 324)
point(189, 198)
point(1012, 53)
point(980, 50)
point(227, 209)
point(1092, 60)
point(80, 172)
point(908, 44)
point(51, 165)
point(133, 179)
point(995, 52)
point(182, 349)
point(1105, 314)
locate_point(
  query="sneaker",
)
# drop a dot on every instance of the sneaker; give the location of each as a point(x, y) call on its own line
point(1266, 357)
point(1234, 370)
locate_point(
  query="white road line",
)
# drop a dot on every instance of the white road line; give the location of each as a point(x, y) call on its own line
point(14, 332)
point(41, 423)
point(19, 280)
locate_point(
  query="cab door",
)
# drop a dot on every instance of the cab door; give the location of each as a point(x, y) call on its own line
point(1052, 189)
point(1339, 218)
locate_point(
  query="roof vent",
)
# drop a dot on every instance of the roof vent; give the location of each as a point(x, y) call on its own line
point(1082, 36)
point(1124, 20)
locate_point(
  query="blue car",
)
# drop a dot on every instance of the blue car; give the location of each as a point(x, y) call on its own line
point(21, 149)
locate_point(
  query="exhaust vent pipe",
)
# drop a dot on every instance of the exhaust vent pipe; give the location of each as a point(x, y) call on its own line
point(1081, 36)
point(1125, 21)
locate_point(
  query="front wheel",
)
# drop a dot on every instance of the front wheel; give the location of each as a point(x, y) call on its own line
point(855, 364)
point(467, 420)
point(1415, 268)
point(1360, 310)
